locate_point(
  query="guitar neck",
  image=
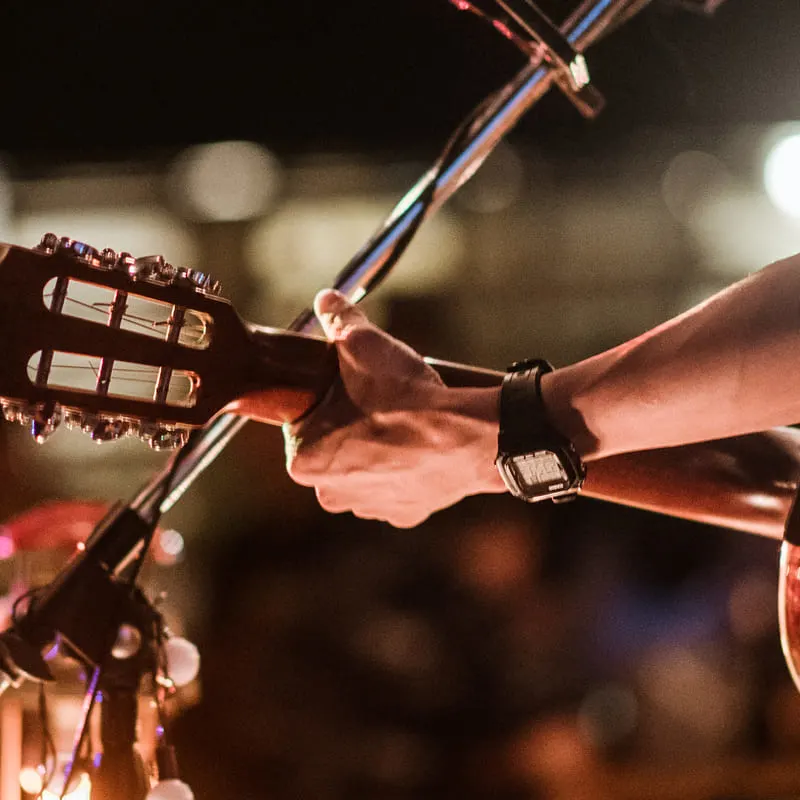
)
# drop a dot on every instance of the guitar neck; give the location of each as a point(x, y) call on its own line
point(301, 369)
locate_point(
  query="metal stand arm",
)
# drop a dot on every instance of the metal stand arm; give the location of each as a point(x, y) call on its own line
point(370, 265)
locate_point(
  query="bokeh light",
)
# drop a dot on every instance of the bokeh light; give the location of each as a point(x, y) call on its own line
point(691, 180)
point(7, 546)
point(497, 185)
point(301, 247)
point(138, 230)
point(81, 790)
point(183, 660)
point(30, 780)
point(782, 175)
point(168, 548)
point(226, 181)
point(6, 204)
point(170, 790)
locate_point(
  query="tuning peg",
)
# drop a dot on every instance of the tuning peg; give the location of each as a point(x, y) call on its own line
point(155, 268)
point(12, 411)
point(71, 418)
point(166, 273)
point(198, 280)
point(108, 430)
point(149, 266)
point(166, 438)
point(44, 421)
point(79, 250)
point(210, 285)
point(48, 244)
point(126, 263)
point(108, 258)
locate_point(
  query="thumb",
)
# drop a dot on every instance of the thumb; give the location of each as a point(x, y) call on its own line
point(336, 313)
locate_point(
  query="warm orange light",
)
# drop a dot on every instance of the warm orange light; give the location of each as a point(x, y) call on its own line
point(30, 779)
point(83, 791)
point(789, 608)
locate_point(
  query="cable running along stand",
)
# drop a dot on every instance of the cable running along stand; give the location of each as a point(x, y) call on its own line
point(93, 609)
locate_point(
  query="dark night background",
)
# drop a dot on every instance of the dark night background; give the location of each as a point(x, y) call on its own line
point(500, 650)
point(89, 79)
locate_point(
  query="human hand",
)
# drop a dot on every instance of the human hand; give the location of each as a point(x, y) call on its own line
point(391, 441)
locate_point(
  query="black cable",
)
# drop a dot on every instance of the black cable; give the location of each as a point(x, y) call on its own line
point(132, 572)
point(455, 145)
point(49, 755)
point(15, 608)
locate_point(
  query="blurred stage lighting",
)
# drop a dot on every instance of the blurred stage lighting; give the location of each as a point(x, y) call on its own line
point(141, 231)
point(6, 204)
point(691, 181)
point(497, 185)
point(79, 790)
point(7, 546)
point(782, 175)
point(699, 6)
point(302, 247)
point(740, 231)
point(30, 780)
point(225, 181)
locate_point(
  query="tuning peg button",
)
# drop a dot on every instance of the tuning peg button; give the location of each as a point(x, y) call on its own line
point(126, 263)
point(44, 422)
point(149, 266)
point(166, 438)
point(48, 244)
point(201, 281)
point(72, 418)
point(108, 258)
point(155, 268)
point(79, 250)
point(108, 430)
point(12, 412)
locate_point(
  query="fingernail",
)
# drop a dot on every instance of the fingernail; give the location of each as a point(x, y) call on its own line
point(329, 301)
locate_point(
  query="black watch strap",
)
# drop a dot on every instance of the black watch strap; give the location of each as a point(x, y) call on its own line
point(535, 460)
point(522, 415)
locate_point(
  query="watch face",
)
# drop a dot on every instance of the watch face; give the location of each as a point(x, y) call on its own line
point(541, 471)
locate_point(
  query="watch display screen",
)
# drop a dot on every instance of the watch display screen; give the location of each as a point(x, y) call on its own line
point(541, 469)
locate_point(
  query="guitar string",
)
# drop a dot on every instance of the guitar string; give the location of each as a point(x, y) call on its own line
point(142, 375)
point(133, 319)
point(94, 369)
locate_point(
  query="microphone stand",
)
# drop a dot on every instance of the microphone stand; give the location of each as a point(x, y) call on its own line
point(98, 616)
point(503, 109)
point(93, 606)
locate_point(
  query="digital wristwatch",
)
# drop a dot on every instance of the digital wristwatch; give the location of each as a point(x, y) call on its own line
point(535, 461)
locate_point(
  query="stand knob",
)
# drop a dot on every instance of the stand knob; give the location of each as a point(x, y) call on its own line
point(183, 660)
point(171, 789)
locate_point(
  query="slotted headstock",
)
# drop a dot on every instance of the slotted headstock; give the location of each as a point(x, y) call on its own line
point(117, 345)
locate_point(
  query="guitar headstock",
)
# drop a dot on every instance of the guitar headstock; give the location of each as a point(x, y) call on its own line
point(117, 345)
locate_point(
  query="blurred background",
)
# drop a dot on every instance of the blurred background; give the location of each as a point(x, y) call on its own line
point(498, 650)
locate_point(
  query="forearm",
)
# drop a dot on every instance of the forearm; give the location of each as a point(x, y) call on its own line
point(727, 367)
point(394, 442)
point(746, 483)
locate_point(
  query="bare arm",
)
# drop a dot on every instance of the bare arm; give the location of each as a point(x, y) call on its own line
point(727, 367)
point(394, 443)
point(745, 483)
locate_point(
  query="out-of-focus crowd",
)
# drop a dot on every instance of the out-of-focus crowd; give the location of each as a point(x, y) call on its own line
point(497, 651)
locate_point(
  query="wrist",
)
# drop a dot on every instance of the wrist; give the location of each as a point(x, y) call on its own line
point(474, 414)
point(557, 397)
point(535, 460)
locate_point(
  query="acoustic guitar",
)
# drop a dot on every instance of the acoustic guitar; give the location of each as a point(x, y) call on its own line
point(122, 346)
point(117, 345)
